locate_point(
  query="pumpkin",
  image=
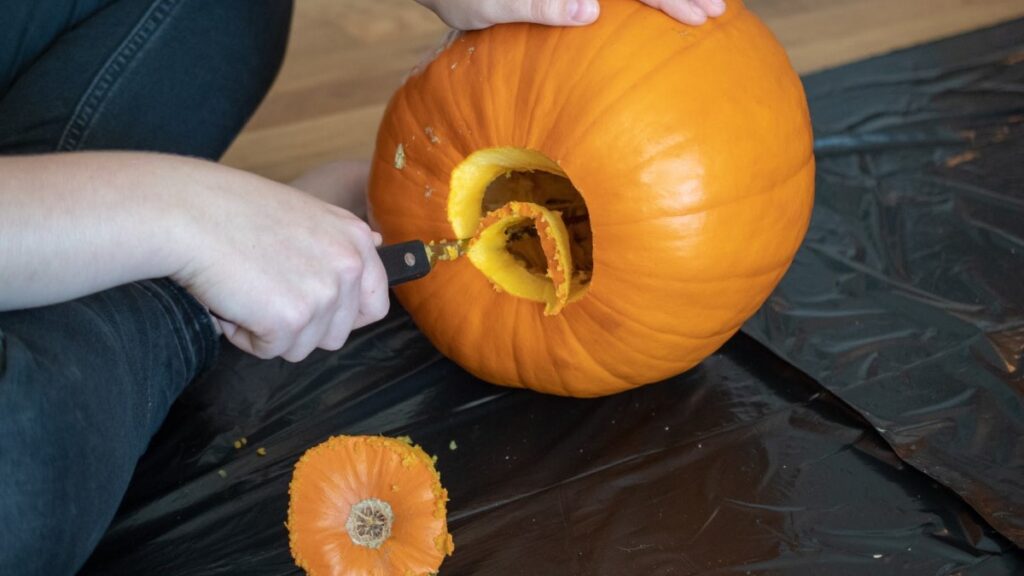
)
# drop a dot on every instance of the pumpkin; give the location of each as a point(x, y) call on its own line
point(632, 191)
point(367, 506)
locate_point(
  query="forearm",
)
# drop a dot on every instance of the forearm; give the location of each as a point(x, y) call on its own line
point(74, 224)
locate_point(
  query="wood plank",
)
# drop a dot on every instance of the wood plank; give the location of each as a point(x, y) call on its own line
point(824, 34)
point(346, 58)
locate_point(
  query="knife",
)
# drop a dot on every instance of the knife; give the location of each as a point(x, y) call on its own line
point(415, 259)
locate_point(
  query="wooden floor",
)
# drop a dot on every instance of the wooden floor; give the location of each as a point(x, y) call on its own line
point(347, 56)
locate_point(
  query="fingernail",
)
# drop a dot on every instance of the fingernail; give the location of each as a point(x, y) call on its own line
point(719, 6)
point(583, 11)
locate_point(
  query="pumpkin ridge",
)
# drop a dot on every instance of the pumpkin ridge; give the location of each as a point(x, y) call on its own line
point(423, 312)
point(452, 337)
point(399, 107)
point(656, 330)
point(536, 93)
point(518, 136)
point(690, 335)
point(653, 154)
point(638, 351)
point(457, 138)
point(449, 156)
point(645, 327)
point(714, 28)
point(438, 288)
point(568, 386)
point(503, 126)
point(772, 189)
point(704, 281)
point(515, 341)
point(488, 122)
point(638, 8)
point(454, 136)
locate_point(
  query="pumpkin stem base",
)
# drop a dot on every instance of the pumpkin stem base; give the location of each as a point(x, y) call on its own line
point(369, 523)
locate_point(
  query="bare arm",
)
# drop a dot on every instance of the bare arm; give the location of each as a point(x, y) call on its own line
point(286, 272)
point(73, 224)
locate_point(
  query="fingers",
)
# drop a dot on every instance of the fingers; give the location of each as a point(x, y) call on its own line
point(550, 12)
point(369, 299)
point(476, 14)
point(250, 343)
point(713, 8)
point(345, 287)
point(692, 12)
point(356, 295)
point(311, 336)
point(374, 300)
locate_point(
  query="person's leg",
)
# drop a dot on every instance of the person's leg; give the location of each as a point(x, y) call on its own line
point(85, 384)
point(28, 28)
point(177, 76)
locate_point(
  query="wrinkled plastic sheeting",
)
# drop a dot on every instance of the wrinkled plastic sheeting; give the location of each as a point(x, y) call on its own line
point(907, 297)
point(743, 465)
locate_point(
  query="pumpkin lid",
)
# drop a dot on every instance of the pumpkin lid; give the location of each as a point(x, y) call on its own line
point(362, 505)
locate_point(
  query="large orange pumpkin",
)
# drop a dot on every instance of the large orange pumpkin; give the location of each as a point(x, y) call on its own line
point(633, 190)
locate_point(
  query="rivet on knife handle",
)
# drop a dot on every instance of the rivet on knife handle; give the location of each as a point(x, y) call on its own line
point(405, 262)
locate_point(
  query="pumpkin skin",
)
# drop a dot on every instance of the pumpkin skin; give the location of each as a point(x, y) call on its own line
point(344, 476)
point(691, 147)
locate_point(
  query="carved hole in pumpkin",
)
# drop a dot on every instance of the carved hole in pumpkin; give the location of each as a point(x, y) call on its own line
point(557, 194)
point(493, 195)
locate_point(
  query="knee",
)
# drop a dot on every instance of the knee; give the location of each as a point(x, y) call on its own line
point(47, 525)
point(59, 488)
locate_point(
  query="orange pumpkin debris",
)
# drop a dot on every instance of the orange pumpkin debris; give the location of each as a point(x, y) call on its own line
point(367, 506)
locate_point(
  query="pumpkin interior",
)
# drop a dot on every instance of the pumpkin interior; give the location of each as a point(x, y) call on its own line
point(529, 225)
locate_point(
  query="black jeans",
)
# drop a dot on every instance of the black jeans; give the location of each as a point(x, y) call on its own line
point(84, 385)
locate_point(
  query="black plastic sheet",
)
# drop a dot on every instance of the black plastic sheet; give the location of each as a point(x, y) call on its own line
point(906, 302)
point(907, 297)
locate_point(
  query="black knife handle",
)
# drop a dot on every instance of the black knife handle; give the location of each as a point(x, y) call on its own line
point(404, 262)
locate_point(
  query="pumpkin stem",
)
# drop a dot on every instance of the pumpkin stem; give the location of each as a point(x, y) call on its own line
point(369, 523)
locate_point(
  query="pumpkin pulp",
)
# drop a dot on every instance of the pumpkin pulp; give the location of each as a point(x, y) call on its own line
point(529, 226)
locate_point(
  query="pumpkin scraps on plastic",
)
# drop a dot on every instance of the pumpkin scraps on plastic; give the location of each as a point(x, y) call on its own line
point(367, 506)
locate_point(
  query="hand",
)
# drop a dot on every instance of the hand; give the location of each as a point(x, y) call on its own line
point(283, 272)
point(476, 14)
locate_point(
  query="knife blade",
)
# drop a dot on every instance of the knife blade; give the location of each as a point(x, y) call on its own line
point(415, 259)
